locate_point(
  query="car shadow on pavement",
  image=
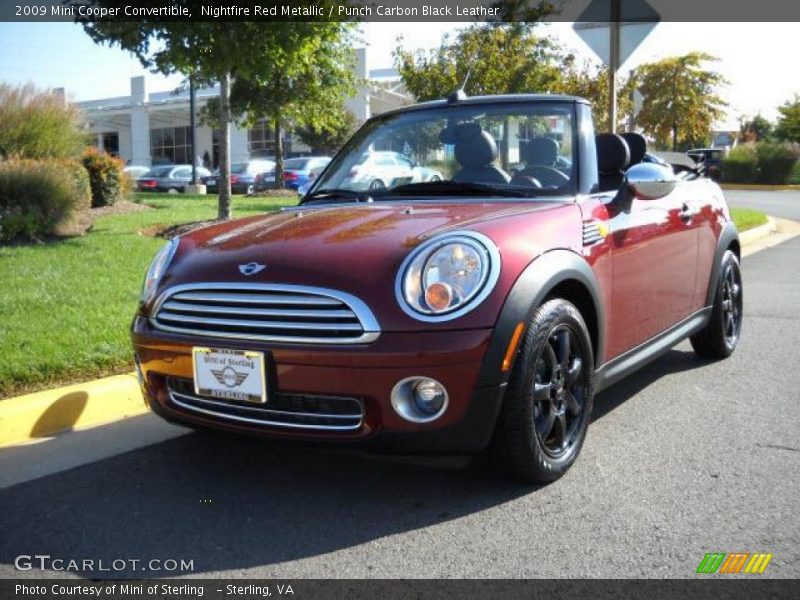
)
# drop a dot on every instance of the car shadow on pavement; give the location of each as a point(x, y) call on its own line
point(231, 503)
point(674, 361)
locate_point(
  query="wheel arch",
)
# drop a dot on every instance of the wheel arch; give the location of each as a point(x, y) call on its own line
point(728, 240)
point(558, 273)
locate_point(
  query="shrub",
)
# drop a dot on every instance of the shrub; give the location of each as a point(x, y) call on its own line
point(105, 176)
point(740, 165)
point(38, 124)
point(776, 162)
point(795, 178)
point(41, 198)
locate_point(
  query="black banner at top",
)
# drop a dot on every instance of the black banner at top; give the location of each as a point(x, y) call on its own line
point(401, 10)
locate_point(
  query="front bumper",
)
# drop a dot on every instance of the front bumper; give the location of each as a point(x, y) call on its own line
point(366, 373)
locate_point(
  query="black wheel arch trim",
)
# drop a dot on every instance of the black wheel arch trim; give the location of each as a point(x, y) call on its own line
point(538, 279)
point(727, 236)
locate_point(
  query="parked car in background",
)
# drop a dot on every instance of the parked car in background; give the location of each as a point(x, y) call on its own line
point(243, 176)
point(136, 172)
point(300, 171)
point(449, 316)
point(378, 170)
point(169, 178)
point(710, 158)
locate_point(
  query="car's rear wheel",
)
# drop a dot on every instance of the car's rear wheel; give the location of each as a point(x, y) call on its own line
point(721, 335)
point(548, 403)
point(172, 191)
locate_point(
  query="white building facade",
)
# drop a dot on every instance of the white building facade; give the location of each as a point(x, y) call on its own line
point(153, 128)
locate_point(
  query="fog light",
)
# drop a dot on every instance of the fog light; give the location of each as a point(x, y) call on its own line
point(419, 399)
point(429, 396)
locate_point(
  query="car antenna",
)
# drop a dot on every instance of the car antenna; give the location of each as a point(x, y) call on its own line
point(460, 94)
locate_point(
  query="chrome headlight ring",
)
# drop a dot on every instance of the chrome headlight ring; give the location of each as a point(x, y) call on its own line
point(157, 268)
point(412, 273)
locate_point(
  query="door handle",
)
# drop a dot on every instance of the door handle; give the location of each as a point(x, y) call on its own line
point(687, 213)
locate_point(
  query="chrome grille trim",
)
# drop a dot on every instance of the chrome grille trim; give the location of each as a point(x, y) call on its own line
point(268, 418)
point(266, 312)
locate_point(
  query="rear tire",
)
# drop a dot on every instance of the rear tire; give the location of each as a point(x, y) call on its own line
point(721, 335)
point(548, 403)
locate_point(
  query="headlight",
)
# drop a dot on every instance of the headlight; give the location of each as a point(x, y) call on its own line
point(157, 268)
point(448, 276)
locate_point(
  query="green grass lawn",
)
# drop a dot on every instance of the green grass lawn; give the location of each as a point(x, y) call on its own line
point(66, 306)
point(747, 218)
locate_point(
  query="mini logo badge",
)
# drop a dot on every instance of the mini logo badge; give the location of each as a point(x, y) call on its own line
point(251, 268)
point(229, 377)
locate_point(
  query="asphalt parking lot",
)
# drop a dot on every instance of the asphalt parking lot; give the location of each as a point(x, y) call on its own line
point(686, 457)
point(783, 204)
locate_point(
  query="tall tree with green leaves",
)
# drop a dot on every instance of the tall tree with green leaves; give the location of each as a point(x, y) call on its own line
point(591, 83)
point(681, 101)
point(757, 129)
point(306, 86)
point(328, 140)
point(788, 127)
point(500, 60)
point(214, 52)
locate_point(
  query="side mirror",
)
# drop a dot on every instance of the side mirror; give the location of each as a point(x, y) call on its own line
point(650, 181)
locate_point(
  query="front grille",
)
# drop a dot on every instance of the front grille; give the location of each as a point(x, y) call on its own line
point(292, 411)
point(266, 312)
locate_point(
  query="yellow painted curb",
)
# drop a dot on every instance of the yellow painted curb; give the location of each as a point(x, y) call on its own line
point(759, 187)
point(47, 413)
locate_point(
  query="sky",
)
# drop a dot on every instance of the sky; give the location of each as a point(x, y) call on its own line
point(753, 57)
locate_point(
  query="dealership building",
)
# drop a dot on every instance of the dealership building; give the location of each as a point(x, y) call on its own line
point(153, 128)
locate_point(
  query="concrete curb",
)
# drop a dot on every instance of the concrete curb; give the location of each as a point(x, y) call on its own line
point(759, 187)
point(44, 414)
point(756, 233)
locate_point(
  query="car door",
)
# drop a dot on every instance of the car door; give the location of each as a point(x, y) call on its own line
point(654, 254)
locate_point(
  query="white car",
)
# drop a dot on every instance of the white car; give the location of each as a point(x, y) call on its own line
point(378, 170)
point(135, 171)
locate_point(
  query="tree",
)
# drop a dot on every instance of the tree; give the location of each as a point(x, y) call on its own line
point(328, 140)
point(756, 129)
point(38, 124)
point(680, 99)
point(788, 127)
point(500, 59)
point(306, 85)
point(592, 84)
point(209, 52)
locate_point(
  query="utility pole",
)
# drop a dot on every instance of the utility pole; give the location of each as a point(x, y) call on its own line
point(613, 63)
point(191, 130)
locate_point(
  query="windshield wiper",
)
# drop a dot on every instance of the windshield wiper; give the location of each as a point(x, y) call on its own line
point(337, 195)
point(451, 188)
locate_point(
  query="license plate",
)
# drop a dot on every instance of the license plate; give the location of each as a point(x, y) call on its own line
point(230, 374)
point(211, 182)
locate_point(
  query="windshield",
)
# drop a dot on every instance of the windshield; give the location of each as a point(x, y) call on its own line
point(520, 148)
point(297, 164)
point(160, 171)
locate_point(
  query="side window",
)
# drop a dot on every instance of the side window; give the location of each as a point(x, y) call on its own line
point(182, 173)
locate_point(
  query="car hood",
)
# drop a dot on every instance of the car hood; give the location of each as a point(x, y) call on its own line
point(351, 248)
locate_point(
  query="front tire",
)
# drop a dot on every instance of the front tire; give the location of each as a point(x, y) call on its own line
point(548, 403)
point(721, 335)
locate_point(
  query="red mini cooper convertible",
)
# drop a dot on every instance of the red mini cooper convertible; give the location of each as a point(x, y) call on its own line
point(480, 309)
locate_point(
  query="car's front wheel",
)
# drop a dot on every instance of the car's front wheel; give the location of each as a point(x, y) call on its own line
point(721, 336)
point(548, 403)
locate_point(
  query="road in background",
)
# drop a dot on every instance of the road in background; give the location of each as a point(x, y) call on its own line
point(686, 457)
point(785, 204)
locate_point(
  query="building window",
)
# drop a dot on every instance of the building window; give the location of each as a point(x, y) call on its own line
point(261, 140)
point(111, 143)
point(170, 145)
